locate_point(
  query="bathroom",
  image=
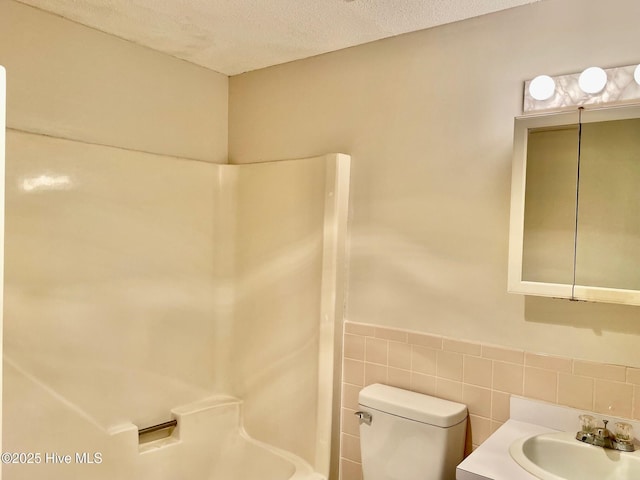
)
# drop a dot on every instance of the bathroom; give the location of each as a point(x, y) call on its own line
point(427, 118)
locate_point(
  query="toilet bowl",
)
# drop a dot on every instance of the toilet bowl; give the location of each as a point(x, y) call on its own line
point(409, 436)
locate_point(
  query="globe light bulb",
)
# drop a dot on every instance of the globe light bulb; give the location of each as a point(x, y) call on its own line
point(542, 87)
point(592, 80)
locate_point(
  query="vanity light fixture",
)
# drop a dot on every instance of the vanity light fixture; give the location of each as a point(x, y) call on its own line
point(542, 87)
point(593, 87)
point(592, 80)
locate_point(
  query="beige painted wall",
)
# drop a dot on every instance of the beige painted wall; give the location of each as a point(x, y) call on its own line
point(428, 120)
point(68, 80)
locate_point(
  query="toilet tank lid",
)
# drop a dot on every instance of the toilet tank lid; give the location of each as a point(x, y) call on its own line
point(412, 405)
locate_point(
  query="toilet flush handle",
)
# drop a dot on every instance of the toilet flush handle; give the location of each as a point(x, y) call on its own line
point(365, 417)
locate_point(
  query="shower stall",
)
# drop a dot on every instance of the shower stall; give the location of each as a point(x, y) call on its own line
point(168, 318)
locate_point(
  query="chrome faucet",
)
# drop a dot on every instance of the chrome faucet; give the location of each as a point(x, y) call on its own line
point(602, 436)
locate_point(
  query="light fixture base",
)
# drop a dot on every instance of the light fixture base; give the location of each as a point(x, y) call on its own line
point(620, 88)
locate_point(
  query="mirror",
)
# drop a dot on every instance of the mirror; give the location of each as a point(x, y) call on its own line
point(575, 203)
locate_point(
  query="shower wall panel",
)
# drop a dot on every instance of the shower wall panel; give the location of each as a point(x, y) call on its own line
point(280, 242)
point(110, 279)
point(137, 283)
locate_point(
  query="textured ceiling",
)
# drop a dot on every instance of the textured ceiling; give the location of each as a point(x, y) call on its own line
point(235, 36)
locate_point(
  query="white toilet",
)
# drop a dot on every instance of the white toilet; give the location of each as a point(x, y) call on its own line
point(409, 436)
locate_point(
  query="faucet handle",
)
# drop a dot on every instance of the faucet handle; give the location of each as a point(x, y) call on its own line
point(587, 423)
point(624, 432)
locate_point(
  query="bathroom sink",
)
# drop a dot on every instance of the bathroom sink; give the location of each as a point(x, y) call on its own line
point(559, 456)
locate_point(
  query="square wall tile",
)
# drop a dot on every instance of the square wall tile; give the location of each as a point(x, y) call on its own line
point(613, 398)
point(351, 447)
point(449, 389)
point(423, 383)
point(374, 373)
point(353, 372)
point(477, 371)
point(353, 346)
point(399, 378)
point(541, 384)
point(350, 470)
point(400, 355)
point(500, 406)
point(376, 350)
point(575, 391)
point(449, 365)
point(508, 377)
point(480, 429)
point(350, 423)
point(350, 396)
point(423, 360)
point(633, 375)
point(477, 399)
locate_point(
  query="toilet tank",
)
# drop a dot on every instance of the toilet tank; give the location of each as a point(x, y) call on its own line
point(409, 436)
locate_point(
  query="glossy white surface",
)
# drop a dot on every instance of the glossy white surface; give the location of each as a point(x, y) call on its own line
point(492, 460)
point(139, 282)
point(398, 448)
point(209, 443)
point(286, 226)
point(111, 281)
point(412, 405)
point(559, 456)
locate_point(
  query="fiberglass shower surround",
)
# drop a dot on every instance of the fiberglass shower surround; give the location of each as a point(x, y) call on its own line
point(147, 288)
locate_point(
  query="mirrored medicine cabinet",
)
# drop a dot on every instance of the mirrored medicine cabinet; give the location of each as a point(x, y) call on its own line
point(575, 205)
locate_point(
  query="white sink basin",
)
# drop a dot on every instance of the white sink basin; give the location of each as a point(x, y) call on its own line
point(559, 456)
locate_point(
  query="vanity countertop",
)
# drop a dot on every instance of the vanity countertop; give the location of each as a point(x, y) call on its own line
point(491, 460)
